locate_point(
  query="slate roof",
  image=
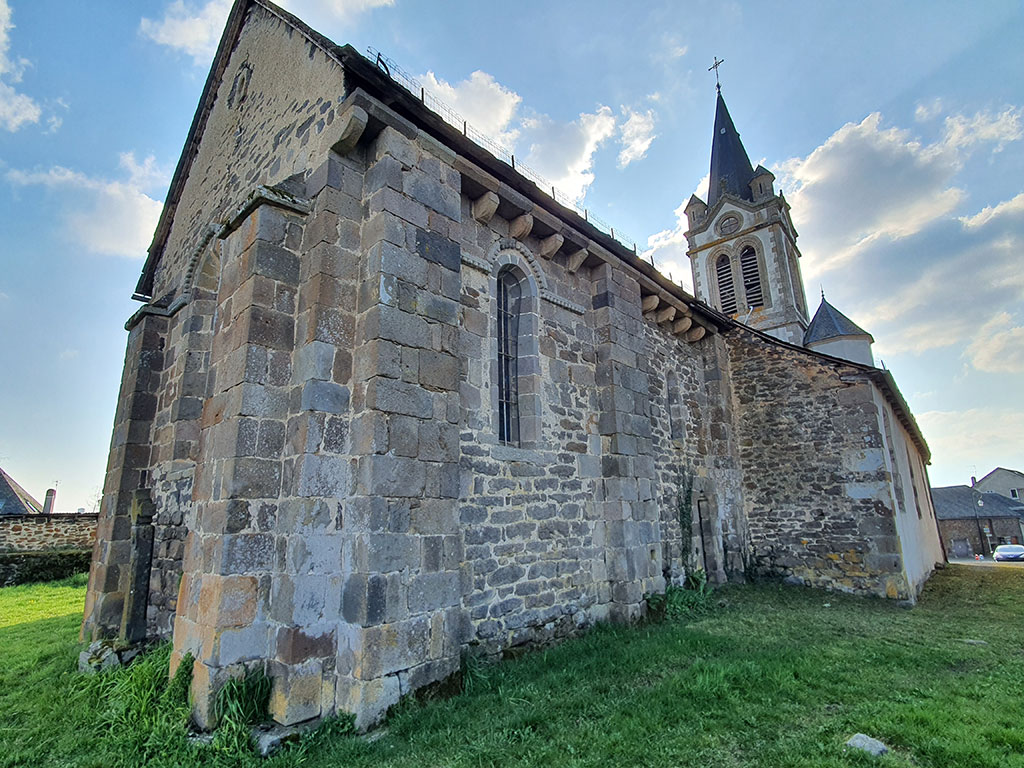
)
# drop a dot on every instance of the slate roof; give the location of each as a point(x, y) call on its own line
point(1004, 469)
point(958, 502)
point(15, 500)
point(730, 167)
point(829, 323)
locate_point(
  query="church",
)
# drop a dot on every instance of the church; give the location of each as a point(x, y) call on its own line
point(386, 402)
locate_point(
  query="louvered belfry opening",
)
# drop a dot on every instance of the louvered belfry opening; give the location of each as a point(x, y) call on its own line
point(726, 287)
point(751, 278)
point(510, 294)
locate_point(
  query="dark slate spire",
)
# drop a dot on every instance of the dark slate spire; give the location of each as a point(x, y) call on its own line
point(730, 167)
point(829, 322)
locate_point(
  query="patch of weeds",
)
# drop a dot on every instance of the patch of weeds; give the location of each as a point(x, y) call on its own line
point(146, 714)
point(240, 703)
point(692, 599)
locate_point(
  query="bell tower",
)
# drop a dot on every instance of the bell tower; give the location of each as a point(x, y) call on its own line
point(742, 243)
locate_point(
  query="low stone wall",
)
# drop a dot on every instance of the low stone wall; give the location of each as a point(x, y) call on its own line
point(25, 567)
point(37, 533)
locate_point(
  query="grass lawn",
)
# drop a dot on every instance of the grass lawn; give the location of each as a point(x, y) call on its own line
point(773, 676)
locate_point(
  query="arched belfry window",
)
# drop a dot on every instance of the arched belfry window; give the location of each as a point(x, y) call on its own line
point(751, 277)
point(726, 286)
point(510, 296)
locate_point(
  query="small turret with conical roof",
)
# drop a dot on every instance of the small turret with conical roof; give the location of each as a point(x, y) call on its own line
point(833, 333)
point(742, 243)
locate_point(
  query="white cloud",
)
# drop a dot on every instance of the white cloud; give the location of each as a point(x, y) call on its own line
point(988, 213)
point(195, 28)
point(668, 250)
point(485, 104)
point(635, 136)
point(998, 346)
point(864, 185)
point(563, 153)
point(928, 111)
point(106, 216)
point(977, 437)
point(962, 132)
point(16, 109)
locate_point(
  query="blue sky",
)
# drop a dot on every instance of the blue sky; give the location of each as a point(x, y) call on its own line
point(895, 131)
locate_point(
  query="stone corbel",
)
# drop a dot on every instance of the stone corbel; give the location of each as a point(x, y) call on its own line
point(352, 124)
point(696, 333)
point(549, 245)
point(520, 226)
point(665, 314)
point(485, 206)
point(576, 260)
point(650, 303)
point(682, 325)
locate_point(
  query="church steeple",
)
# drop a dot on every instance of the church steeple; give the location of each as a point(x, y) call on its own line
point(731, 171)
point(742, 243)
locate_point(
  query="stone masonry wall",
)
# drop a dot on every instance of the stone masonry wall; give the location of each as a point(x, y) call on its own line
point(816, 485)
point(692, 427)
point(36, 533)
point(266, 128)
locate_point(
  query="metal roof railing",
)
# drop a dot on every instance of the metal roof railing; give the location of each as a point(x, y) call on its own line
point(389, 67)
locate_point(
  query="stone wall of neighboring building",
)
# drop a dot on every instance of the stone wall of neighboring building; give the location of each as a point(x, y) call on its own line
point(816, 481)
point(967, 537)
point(37, 533)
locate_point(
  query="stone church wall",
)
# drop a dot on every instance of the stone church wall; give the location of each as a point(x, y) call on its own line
point(816, 485)
point(305, 473)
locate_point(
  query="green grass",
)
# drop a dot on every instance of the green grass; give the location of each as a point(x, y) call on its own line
point(771, 676)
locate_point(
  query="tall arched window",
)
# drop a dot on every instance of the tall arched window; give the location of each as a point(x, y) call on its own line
point(510, 294)
point(751, 278)
point(726, 287)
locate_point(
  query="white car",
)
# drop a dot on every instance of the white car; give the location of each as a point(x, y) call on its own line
point(1009, 552)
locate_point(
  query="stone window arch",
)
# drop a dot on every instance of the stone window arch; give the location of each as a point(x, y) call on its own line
point(515, 350)
point(726, 284)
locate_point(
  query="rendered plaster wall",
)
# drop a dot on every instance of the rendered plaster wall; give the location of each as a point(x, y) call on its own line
point(816, 482)
point(915, 517)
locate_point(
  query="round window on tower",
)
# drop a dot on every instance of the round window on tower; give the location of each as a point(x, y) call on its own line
point(728, 225)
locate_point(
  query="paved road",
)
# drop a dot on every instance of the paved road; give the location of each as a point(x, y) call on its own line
point(987, 562)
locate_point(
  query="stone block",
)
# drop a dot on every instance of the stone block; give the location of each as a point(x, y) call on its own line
point(438, 249)
point(389, 648)
point(242, 644)
point(393, 396)
point(274, 262)
point(295, 693)
point(325, 396)
point(434, 517)
point(430, 592)
point(314, 360)
point(247, 552)
point(252, 478)
point(364, 599)
point(433, 194)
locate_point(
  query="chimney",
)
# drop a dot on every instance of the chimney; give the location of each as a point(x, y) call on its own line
point(51, 497)
point(974, 481)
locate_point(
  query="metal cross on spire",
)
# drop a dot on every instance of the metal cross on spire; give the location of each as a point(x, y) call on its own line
point(718, 62)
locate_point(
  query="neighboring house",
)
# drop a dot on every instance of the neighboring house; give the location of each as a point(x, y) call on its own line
point(1005, 482)
point(388, 402)
point(972, 522)
point(15, 500)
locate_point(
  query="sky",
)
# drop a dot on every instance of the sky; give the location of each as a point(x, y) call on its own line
point(895, 131)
